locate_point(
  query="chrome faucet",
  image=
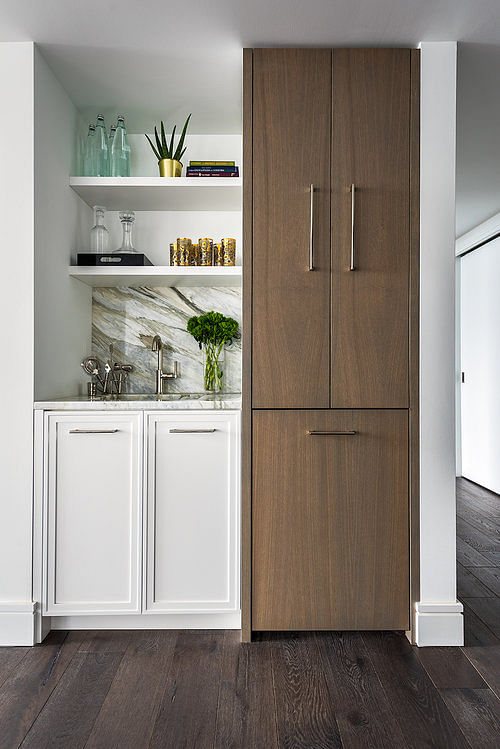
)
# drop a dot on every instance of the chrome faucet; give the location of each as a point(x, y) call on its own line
point(161, 376)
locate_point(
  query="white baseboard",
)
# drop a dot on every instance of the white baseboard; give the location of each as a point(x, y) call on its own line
point(17, 623)
point(230, 620)
point(438, 624)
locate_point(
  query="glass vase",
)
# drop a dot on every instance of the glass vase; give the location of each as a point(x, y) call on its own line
point(213, 367)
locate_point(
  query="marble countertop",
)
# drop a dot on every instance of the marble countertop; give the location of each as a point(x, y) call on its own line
point(144, 401)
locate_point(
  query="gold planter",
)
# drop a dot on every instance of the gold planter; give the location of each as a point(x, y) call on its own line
point(170, 168)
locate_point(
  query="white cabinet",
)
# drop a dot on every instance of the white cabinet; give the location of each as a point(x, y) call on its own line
point(192, 526)
point(92, 512)
point(117, 543)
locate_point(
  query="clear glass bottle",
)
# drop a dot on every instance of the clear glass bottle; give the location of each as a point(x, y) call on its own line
point(120, 151)
point(127, 218)
point(99, 235)
point(111, 136)
point(89, 153)
point(102, 155)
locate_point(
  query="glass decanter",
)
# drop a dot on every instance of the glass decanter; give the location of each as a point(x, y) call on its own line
point(127, 219)
point(99, 235)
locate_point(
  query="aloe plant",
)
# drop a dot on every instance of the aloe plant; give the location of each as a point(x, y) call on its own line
point(165, 150)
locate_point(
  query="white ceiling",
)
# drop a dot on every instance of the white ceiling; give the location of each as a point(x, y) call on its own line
point(155, 58)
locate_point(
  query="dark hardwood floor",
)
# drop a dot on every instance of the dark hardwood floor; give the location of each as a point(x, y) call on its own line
point(180, 690)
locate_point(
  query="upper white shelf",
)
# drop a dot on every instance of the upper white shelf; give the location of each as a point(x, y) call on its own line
point(160, 193)
point(157, 275)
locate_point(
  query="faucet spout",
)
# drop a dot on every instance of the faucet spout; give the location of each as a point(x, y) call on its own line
point(160, 375)
point(157, 345)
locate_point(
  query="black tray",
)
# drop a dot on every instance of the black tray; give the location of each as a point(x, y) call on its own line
point(112, 259)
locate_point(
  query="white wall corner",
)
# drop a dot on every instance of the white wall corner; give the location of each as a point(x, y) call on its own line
point(439, 624)
point(17, 623)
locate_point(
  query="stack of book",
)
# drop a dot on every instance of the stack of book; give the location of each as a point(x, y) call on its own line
point(212, 169)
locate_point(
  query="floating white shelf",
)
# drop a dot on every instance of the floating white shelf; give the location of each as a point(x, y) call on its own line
point(157, 275)
point(160, 193)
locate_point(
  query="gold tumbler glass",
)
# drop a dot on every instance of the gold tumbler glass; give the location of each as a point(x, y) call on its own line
point(206, 250)
point(229, 250)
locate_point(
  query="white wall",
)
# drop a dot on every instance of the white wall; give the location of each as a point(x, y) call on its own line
point(62, 305)
point(16, 341)
point(480, 300)
point(438, 619)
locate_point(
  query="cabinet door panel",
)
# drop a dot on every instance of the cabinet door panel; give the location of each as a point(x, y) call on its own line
point(192, 509)
point(330, 521)
point(93, 510)
point(371, 125)
point(291, 151)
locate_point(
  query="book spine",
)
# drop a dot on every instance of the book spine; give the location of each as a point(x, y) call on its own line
point(211, 163)
point(212, 174)
point(212, 169)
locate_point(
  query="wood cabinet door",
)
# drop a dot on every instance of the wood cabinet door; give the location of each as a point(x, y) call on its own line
point(330, 520)
point(291, 152)
point(93, 513)
point(370, 316)
point(192, 526)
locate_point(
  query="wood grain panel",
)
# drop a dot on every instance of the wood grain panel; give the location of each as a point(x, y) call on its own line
point(414, 336)
point(330, 521)
point(246, 364)
point(291, 151)
point(370, 305)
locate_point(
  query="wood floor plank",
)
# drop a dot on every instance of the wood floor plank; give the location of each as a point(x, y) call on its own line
point(476, 633)
point(363, 713)
point(474, 537)
point(476, 495)
point(479, 492)
point(188, 711)
point(477, 712)
point(470, 557)
point(303, 707)
point(27, 689)
point(128, 714)
point(449, 668)
point(490, 577)
point(246, 711)
point(487, 661)
point(488, 610)
point(469, 585)
point(106, 641)
point(492, 557)
point(69, 714)
point(479, 517)
point(9, 660)
point(419, 708)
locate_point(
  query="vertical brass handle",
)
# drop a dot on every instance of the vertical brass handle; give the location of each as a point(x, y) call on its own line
point(311, 228)
point(353, 208)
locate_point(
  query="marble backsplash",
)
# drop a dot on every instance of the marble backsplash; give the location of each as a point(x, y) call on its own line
point(129, 318)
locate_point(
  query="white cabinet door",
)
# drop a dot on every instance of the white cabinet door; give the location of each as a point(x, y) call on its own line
point(192, 512)
point(92, 538)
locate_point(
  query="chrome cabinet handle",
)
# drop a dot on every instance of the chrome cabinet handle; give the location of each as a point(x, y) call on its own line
point(311, 228)
point(315, 433)
point(191, 431)
point(93, 431)
point(353, 207)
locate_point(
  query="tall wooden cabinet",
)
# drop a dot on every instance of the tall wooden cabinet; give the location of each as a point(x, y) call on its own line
point(330, 217)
